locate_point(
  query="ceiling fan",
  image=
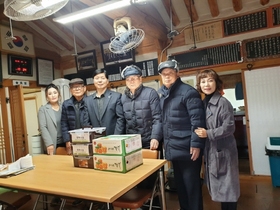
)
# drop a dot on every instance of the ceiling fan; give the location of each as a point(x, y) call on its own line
point(126, 36)
point(25, 10)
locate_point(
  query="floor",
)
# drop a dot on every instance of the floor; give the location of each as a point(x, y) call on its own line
point(257, 193)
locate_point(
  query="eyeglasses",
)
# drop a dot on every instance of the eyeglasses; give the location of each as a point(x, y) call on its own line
point(132, 79)
point(78, 87)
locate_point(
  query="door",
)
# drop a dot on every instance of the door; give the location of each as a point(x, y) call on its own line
point(5, 146)
point(31, 122)
point(18, 121)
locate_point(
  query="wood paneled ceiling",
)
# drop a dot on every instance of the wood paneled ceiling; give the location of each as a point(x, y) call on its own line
point(153, 17)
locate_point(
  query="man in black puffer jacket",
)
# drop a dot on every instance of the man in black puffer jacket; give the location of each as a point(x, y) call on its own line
point(141, 109)
point(74, 112)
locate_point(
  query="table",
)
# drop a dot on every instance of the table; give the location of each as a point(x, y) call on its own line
point(56, 175)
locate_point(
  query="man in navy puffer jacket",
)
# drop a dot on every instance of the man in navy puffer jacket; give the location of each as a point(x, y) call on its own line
point(141, 109)
point(182, 113)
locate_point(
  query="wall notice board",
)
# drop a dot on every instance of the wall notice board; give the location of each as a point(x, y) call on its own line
point(275, 15)
point(210, 56)
point(149, 68)
point(245, 23)
point(262, 47)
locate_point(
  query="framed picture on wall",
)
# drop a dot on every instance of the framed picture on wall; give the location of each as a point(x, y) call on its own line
point(86, 61)
point(45, 71)
point(110, 58)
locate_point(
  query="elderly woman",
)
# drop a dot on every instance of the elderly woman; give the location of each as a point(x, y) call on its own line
point(220, 154)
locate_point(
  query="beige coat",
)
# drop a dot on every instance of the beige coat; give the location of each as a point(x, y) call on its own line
point(221, 156)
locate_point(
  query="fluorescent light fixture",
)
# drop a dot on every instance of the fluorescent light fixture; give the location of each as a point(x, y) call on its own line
point(91, 11)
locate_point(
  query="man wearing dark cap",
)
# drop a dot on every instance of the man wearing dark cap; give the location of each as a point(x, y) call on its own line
point(141, 108)
point(74, 115)
point(74, 112)
point(142, 113)
point(182, 113)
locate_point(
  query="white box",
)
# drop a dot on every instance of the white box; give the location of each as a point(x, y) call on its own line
point(117, 144)
point(86, 135)
point(118, 163)
point(82, 149)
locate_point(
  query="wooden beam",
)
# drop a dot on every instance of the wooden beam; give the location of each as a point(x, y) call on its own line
point(264, 2)
point(191, 10)
point(51, 33)
point(25, 27)
point(87, 34)
point(237, 5)
point(175, 18)
point(94, 23)
point(69, 33)
point(214, 9)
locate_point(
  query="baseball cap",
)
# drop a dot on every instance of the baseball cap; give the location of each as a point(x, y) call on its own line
point(76, 81)
point(168, 64)
point(131, 70)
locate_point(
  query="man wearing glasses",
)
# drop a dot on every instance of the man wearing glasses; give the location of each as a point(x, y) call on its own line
point(141, 108)
point(74, 112)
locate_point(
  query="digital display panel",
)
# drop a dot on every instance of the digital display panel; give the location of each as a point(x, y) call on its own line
point(18, 65)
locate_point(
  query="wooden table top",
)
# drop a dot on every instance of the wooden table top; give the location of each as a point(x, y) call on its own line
point(57, 175)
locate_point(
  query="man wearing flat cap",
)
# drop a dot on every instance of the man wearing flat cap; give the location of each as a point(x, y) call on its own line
point(182, 113)
point(141, 108)
point(142, 113)
point(74, 112)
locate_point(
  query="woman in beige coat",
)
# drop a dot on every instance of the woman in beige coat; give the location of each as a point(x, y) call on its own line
point(220, 154)
point(49, 120)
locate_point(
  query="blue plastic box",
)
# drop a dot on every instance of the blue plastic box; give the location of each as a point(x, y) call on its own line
point(274, 162)
point(273, 151)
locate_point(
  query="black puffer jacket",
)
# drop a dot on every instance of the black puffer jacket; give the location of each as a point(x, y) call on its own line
point(68, 117)
point(143, 114)
point(182, 112)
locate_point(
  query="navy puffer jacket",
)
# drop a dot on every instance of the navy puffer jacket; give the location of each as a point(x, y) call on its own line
point(68, 117)
point(182, 113)
point(143, 114)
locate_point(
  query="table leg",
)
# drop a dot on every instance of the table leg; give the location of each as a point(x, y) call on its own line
point(45, 202)
point(162, 189)
point(110, 206)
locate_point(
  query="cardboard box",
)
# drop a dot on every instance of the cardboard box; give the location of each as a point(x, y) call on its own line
point(117, 163)
point(86, 135)
point(117, 144)
point(83, 161)
point(82, 149)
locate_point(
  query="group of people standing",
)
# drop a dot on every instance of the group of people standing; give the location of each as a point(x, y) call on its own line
point(191, 130)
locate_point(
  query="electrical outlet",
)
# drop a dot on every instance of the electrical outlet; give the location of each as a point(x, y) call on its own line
point(19, 82)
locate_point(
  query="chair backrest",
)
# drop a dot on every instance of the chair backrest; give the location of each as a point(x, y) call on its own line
point(61, 151)
point(150, 154)
point(13, 200)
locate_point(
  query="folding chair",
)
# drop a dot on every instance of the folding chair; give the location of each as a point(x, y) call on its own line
point(137, 197)
point(13, 200)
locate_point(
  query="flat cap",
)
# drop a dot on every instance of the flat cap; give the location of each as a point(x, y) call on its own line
point(76, 81)
point(131, 70)
point(168, 64)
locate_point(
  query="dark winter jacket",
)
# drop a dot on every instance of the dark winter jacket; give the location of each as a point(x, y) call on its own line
point(68, 117)
point(182, 113)
point(143, 114)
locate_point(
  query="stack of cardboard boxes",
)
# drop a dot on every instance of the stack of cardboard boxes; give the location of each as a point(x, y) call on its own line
point(82, 148)
point(118, 153)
